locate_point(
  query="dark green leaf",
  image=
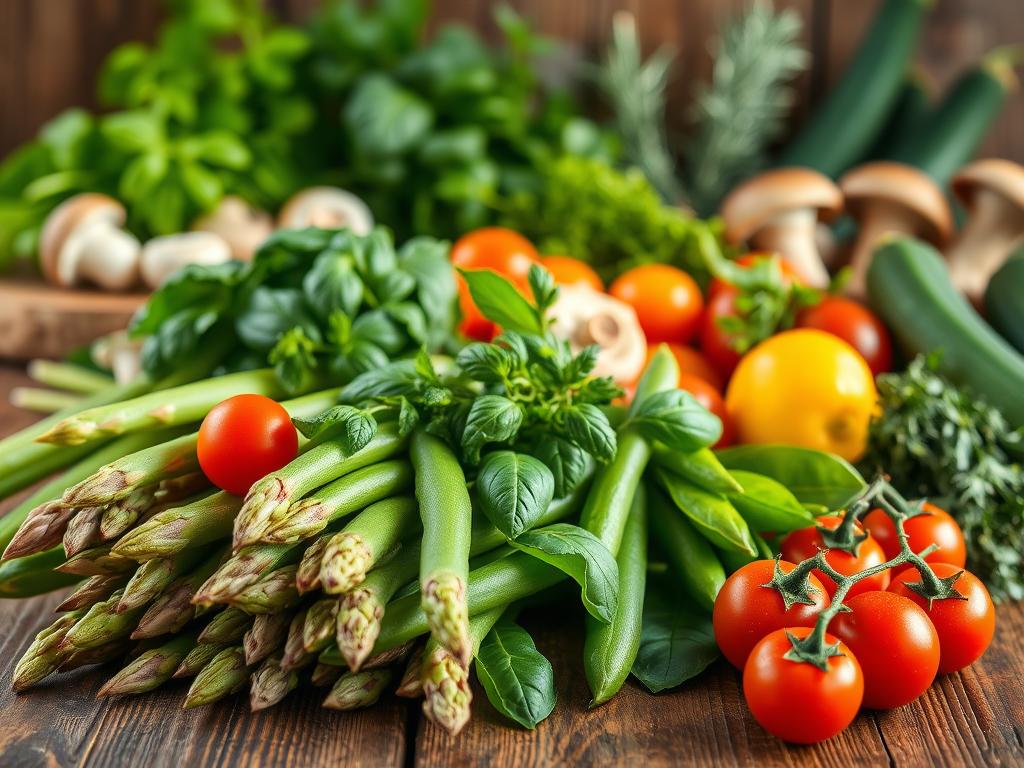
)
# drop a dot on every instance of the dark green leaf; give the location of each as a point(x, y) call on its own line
point(269, 314)
point(384, 118)
point(516, 677)
point(491, 419)
point(814, 477)
point(767, 505)
point(514, 490)
point(410, 316)
point(397, 378)
point(332, 284)
point(587, 426)
point(408, 417)
point(713, 515)
point(675, 418)
point(581, 555)
point(377, 327)
point(488, 363)
point(568, 462)
point(500, 302)
point(351, 427)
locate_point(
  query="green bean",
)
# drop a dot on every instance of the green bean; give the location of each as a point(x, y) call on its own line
point(702, 468)
point(447, 516)
point(610, 649)
point(691, 556)
point(34, 575)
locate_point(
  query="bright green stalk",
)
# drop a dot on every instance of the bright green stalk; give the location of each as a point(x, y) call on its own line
point(179, 405)
point(447, 516)
point(154, 576)
point(74, 378)
point(344, 496)
point(371, 534)
point(446, 691)
point(224, 675)
point(150, 669)
point(34, 575)
point(268, 500)
point(167, 533)
point(244, 569)
point(39, 400)
point(609, 649)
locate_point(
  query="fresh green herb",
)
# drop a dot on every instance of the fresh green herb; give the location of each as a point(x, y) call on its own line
point(516, 677)
point(514, 490)
point(939, 441)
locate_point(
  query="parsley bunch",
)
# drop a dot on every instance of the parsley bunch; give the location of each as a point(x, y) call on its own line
point(940, 441)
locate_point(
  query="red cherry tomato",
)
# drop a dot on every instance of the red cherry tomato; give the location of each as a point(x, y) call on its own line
point(667, 301)
point(894, 642)
point(790, 274)
point(805, 543)
point(566, 271)
point(746, 610)
point(715, 341)
point(797, 701)
point(501, 250)
point(709, 397)
point(934, 526)
point(965, 627)
point(244, 438)
point(854, 324)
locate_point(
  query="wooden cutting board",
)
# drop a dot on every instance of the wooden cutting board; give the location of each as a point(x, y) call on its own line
point(39, 320)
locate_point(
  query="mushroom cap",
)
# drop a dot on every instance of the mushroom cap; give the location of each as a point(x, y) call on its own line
point(326, 207)
point(1004, 177)
point(901, 185)
point(757, 201)
point(163, 256)
point(242, 225)
point(59, 249)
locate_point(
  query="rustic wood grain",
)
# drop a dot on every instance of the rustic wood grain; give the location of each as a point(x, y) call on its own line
point(51, 50)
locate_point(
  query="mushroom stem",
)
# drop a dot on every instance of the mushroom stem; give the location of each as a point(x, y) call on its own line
point(793, 236)
point(881, 219)
point(992, 232)
point(110, 257)
point(602, 329)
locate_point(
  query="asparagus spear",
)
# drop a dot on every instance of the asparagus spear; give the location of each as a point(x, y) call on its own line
point(355, 690)
point(267, 633)
point(34, 575)
point(227, 627)
point(376, 530)
point(74, 378)
point(350, 493)
point(201, 655)
point(295, 653)
point(324, 675)
point(179, 405)
point(151, 669)
point(154, 576)
point(173, 608)
point(45, 653)
point(93, 590)
point(411, 684)
point(167, 533)
point(274, 592)
point(318, 629)
point(101, 624)
point(446, 692)
point(41, 400)
point(97, 561)
point(122, 514)
point(307, 577)
point(101, 654)
point(82, 531)
point(244, 569)
point(225, 674)
point(271, 496)
point(270, 684)
point(43, 529)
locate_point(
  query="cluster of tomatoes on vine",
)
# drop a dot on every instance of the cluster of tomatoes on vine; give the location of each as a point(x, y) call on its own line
point(881, 648)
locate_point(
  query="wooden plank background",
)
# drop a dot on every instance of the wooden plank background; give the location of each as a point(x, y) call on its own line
point(51, 50)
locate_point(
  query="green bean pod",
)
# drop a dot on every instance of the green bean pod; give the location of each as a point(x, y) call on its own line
point(702, 468)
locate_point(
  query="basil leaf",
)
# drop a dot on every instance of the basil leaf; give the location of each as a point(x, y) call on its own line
point(513, 490)
point(542, 286)
point(384, 118)
point(587, 426)
point(675, 418)
point(814, 477)
point(410, 316)
point(488, 363)
point(500, 302)
point(293, 360)
point(677, 641)
point(375, 326)
point(269, 314)
point(491, 419)
point(568, 463)
point(408, 417)
point(427, 261)
point(397, 378)
point(767, 505)
point(351, 427)
point(333, 284)
point(713, 515)
point(516, 677)
point(581, 555)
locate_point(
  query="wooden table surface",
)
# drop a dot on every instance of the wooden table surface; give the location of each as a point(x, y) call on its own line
point(972, 718)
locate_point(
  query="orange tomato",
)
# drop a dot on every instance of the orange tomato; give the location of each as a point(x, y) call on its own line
point(566, 270)
point(693, 362)
point(709, 397)
point(498, 249)
point(667, 301)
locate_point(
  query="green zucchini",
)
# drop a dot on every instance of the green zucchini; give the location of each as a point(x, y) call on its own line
point(958, 125)
point(1004, 300)
point(909, 286)
point(843, 128)
point(909, 115)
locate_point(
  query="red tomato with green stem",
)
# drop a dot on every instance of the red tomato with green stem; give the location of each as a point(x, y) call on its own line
point(500, 250)
point(746, 610)
point(797, 701)
point(854, 324)
point(668, 302)
point(804, 543)
point(965, 627)
point(933, 526)
point(244, 438)
point(894, 642)
point(705, 394)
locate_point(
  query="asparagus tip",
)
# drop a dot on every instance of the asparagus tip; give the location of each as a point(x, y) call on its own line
point(446, 692)
point(444, 603)
point(345, 561)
